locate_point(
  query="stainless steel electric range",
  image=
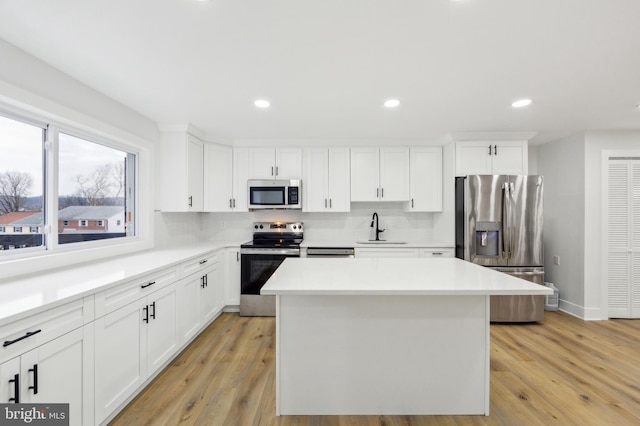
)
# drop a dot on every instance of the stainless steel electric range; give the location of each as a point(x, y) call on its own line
point(272, 243)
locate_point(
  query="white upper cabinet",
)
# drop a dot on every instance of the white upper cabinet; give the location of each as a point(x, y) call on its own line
point(426, 180)
point(218, 178)
point(491, 158)
point(379, 174)
point(181, 172)
point(240, 177)
point(275, 163)
point(326, 180)
point(225, 178)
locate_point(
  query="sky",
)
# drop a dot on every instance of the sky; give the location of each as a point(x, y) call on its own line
point(21, 150)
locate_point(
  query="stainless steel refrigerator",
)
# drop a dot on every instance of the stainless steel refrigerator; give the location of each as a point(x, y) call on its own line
point(499, 225)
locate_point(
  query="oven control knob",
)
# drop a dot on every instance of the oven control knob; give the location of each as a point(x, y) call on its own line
point(294, 226)
point(261, 226)
point(255, 226)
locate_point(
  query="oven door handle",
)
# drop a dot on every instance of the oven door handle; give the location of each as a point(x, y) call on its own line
point(272, 251)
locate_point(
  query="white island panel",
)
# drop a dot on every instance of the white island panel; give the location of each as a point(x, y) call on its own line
point(360, 355)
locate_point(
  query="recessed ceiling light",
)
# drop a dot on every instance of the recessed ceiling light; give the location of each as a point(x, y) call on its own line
point(262, 103)
point(521, 103)
point(391, 103)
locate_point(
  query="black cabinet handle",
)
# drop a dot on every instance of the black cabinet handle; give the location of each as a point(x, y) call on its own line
point(190, 201)
point(28, 334)
point(146, 314)
point(34, 370)
point(16, 389)
point(489, 149)
point(202, 262)
point(153, 315)
point(147, 285)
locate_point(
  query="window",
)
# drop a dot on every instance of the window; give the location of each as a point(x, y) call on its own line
point(1, 228)
point(21, 181)
point(95, 184)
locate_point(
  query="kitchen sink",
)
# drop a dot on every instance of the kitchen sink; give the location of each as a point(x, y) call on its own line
point(380, 242)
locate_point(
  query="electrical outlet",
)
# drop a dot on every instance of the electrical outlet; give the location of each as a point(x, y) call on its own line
point(556, 260)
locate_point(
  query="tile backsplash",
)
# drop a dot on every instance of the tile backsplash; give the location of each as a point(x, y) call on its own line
point(183, 228)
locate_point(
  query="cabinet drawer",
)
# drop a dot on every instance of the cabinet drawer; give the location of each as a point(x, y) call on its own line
point(200, 263)
point(119, 296)
point(436, 252)
point(23, 335)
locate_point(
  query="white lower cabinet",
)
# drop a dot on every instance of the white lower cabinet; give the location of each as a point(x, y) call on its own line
point(437, 252)
point(131, 344)
point(200, 298)
point(60, 371)
point(404, 252)
point(387, 252)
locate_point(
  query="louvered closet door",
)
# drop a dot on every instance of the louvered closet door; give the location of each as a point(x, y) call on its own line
point(623, 232)
point(635, 239)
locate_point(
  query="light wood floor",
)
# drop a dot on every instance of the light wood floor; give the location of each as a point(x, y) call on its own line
point(562, 371)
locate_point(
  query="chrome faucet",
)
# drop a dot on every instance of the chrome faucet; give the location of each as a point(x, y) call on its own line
point(376, 220)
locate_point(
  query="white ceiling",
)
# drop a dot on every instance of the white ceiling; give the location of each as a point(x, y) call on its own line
point(327, 65)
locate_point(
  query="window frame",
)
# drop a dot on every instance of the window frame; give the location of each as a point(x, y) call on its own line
point(51, 254)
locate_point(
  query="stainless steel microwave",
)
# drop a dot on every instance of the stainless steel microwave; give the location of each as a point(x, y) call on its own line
point(274, 194)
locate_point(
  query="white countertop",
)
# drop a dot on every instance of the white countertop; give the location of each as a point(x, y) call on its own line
point(389, 244)
point(393, 276)
point(33, 293)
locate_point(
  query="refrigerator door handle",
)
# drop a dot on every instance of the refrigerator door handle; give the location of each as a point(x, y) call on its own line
point(505, 221)
point(512, 188)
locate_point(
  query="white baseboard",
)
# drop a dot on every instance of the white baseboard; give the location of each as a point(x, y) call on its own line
point(586, 314)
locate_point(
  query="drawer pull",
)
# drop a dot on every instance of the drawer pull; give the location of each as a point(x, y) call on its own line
point(437, 253)
point(34, 370)
point(153, 315)
point(11, 342)
point(202, 262)
point(147, 285)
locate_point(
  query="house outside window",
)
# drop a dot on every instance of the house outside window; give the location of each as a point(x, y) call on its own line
point(100, 223)
point(17, 229)
point(83, 222)
point(1, 228)
point(65, 223)
point(33, 229)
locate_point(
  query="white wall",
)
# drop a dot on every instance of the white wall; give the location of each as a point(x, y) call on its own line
point(596, 143)
point(31, 83)
point(563, 166)
point(573, 169)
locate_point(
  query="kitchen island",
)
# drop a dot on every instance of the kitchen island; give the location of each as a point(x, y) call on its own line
point(385, 336)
